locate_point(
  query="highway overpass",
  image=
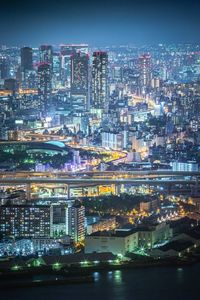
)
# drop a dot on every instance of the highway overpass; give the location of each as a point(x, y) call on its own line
point(97, 181)
point(100, 173)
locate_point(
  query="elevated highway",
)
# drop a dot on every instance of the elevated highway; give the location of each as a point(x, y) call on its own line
point(171, 184)
point(97, 181)
point(124, 174)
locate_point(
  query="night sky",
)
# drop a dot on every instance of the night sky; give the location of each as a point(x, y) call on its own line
point(31, 22)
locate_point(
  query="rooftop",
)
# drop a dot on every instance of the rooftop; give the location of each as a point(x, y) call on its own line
point(194, 232)
point(176, 245)
point(117, 233)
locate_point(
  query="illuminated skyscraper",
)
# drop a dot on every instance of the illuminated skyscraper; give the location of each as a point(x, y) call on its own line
point(44, 83)
point(145, 70)
point(27, 72)
point(56, 72)
point(100, 80)
point(79, 81)
point(66, 52)
point(46, 54)
point(45, 70)
point(26, 59)
point(76, 222)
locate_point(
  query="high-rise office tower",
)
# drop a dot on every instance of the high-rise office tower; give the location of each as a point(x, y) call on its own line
point(46, 54)
point(79, 81)
point(3, 67)
point(66, 52)
point(26, 67)
point(76, 222)
point(26, 59)
point(100, 80)
point(145, 70)
point(44, 84)
point(56, 72)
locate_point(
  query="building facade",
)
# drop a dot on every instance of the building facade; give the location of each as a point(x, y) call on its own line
point(26, 59)
point(25, 220)
point(80, 82)
point(145, 70)
point(76, 222)
point(118, 242)
point(100, 80)
point(44, 83)
point(46, 54)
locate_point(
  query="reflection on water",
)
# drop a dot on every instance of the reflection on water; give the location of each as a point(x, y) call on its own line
point(117, 276)
point(137, 284)
point(110, 275)
point(114, 276)
point(96, 276)
point(180, 275)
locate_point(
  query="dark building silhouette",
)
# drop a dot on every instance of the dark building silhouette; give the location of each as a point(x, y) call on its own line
point(11, 84)
point(3, 67)
point(26, 59)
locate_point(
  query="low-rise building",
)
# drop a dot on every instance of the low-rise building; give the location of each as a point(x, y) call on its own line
point(44, 244)
point(189, 166)
point(126, 240)
point(114, 139)
point(181, 225)
point(196, 202)
point(148, 206)
point(117, 242)
point(101, 225)
point(173, 249)
point(192, 235)
point(150, 236)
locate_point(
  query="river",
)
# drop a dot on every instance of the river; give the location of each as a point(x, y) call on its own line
point(139, 284)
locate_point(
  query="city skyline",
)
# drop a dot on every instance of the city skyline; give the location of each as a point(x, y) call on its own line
point(99, 149)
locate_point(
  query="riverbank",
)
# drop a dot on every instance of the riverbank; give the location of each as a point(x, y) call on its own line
point(34, 276)
point(139, 284)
